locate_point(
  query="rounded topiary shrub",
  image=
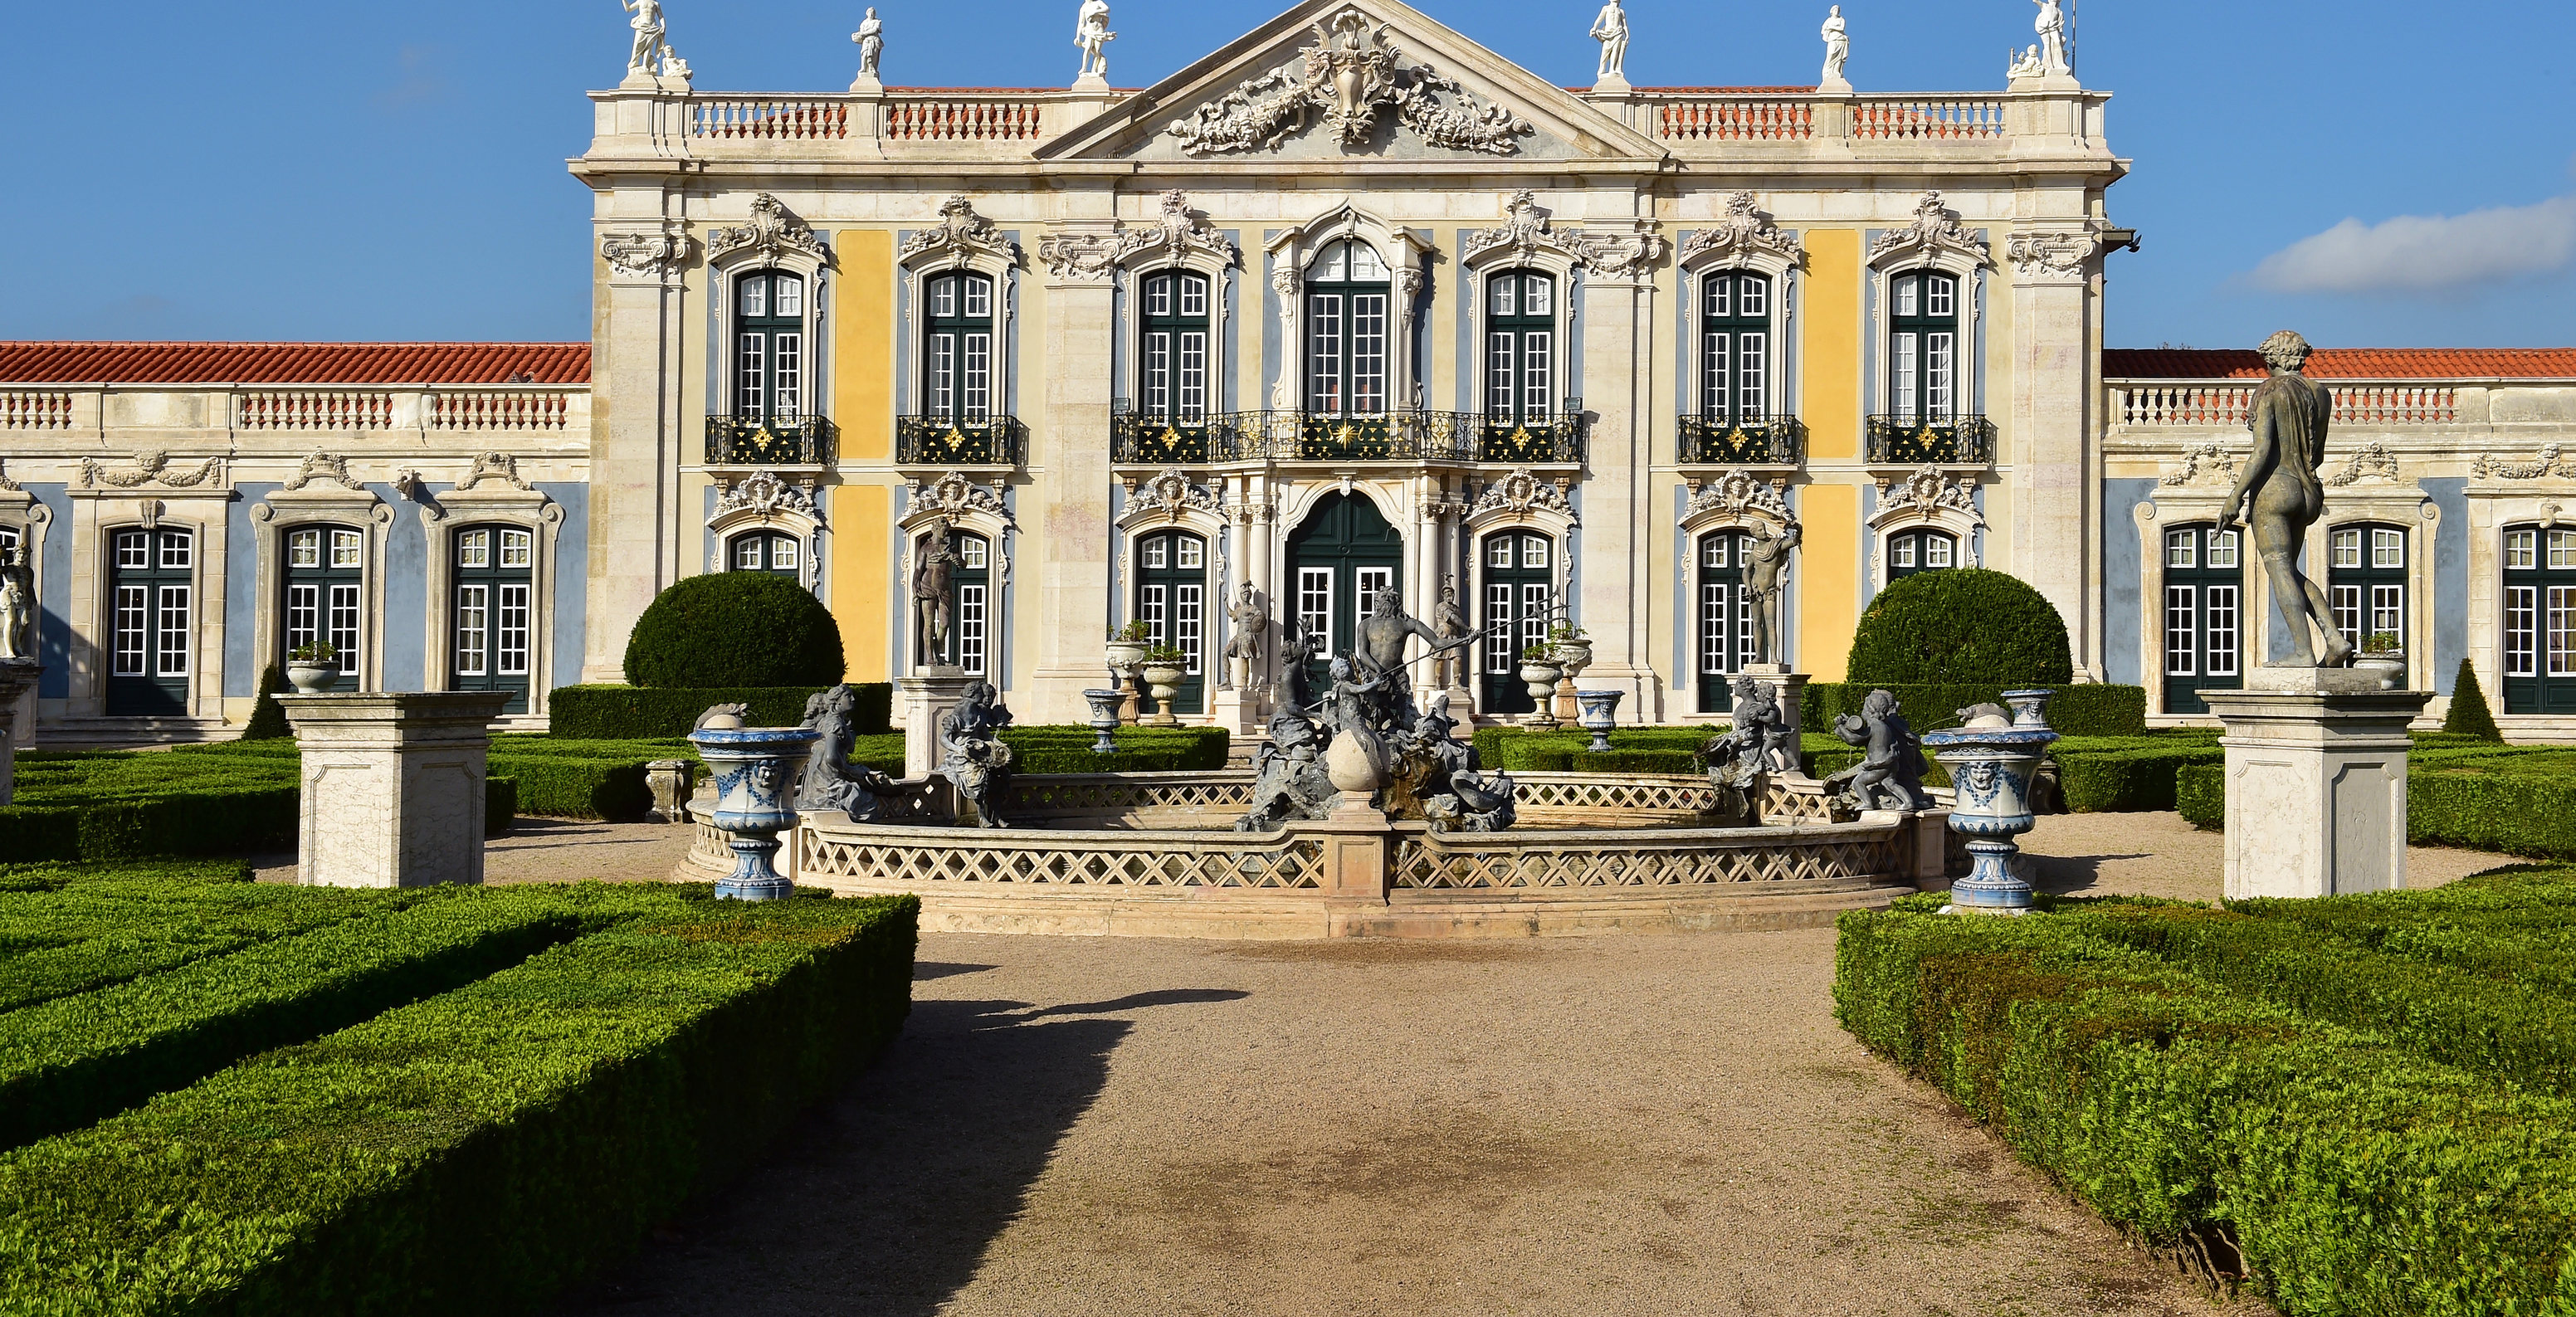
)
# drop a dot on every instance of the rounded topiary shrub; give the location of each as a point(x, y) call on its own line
point(735, 629)
point(1966, 626)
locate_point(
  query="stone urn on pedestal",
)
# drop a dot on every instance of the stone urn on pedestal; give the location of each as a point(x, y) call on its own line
point(1992, 761)
point(2383, 653)
point(755, 771)
point(1104, 718)
point(1163, 671)
point(311, 669)
point(1126, 653)
point(1570, 650)
point(1541, 676)
point(1600, 715)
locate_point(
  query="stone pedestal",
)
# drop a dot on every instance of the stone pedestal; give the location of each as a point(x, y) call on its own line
point(2316, 782)
point(923, 699)
point(393, 786)
point(1358, 846)
point(17, 677)
point(1241, 712)
point(671, 781)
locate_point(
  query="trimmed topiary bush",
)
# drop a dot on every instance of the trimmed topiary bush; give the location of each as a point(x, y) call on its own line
point(2469, 715)
point(735, 629)
point(1961, 626)
point(268, 717)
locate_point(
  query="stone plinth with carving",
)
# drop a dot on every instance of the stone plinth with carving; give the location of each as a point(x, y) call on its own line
point(393, 786)
point(921, 700)
point(17, 677)
point(2316, 782)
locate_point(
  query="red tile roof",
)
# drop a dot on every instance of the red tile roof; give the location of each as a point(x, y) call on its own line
point(293, 363)
point(2344, 363)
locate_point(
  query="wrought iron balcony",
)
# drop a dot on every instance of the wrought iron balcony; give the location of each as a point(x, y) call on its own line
point(959, 441)
point(1295, 436)
point(1770, 441)
point(1536, 439)
point(1945, 441)
point(744, 441)
point(1156, 440)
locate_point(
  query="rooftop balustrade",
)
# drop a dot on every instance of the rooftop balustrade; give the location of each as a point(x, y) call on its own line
point(2223, 404)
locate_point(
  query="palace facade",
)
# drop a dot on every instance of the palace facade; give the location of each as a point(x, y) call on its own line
point(1350, 305)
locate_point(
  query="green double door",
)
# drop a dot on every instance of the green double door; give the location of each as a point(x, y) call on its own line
point(1339, 558)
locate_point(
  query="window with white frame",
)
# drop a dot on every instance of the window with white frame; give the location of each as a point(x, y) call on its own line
point(1734, 347)
point(1346, 331)
point(957, 356)
point(1923, 347)
point(769, 382)
point(1173, 367)
point(1520, 347)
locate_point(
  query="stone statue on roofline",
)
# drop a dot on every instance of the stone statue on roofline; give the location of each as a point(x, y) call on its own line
point(1611, 30)
point(649, 44)
point(1091, 33)
point(1837, 50)
point(2279, 495)
point(871, 39)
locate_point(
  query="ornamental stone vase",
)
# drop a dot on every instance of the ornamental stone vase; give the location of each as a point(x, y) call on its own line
point(2389, 664)
point(1164, 680)
point(1600, 714)
point(1991, 765)
point(311, 678)
point(1541, 678)
point(1104, 718)
point(755, 770)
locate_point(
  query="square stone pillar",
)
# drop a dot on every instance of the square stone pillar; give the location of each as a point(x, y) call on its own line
point(17, 677)
point(923, 699)
point(393, 786)
point(2316, 782)
point(1359, 850)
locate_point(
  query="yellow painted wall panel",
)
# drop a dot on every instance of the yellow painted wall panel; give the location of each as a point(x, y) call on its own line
point(863, 362)
point(1828, 578)
point(862, 579)
point(1829, 356)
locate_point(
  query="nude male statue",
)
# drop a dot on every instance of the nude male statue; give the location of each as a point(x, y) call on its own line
point(1380, 653)
point(1766, 560)
point(2288, 418)
point(930, 601)
point(648, 33)
point(2051, 27)
point(1091, 33)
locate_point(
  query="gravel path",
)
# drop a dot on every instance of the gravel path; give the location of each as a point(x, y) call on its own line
point(2161, 855)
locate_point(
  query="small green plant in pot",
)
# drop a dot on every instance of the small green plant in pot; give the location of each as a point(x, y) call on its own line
point(2385, 653)
point(1163, 667)
point(311, 668)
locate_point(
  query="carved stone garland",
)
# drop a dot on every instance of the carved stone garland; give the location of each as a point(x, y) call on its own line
point(2372, 463)
point(960, 236)
point(1351, 75)
point(321, 466)
point(771, 231)
point(1176, 234)
point(2208, 463)
point(150, 464)
point(2488, 468)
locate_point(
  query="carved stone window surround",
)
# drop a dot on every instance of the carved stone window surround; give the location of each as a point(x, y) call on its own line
point(1293, 250)
point(960, 239)
point(2495, 507)
point(772, 240)
point(490, 503)
point(312, 505)
point(1523, 241)
point(1745, 241)
point(953, 502)
point(1928, 499)
point(1184, 242)
point(1936, 241)
point(97, 514)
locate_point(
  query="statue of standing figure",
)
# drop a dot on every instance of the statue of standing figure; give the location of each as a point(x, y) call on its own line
point(1837, 50)
point(930, 592)
point(1611, 30)
point(972, 756)
point(871, 39)
point(649, 45)
point(2051, 27)
point(17, 609)
point(1091, 33)
point(1450, 620)
point(1766, 561)
point(2280, 489)
point(1251, 624)
point(1379, 657)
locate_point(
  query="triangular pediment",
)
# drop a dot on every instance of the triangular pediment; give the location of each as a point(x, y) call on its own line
point(1349, 82)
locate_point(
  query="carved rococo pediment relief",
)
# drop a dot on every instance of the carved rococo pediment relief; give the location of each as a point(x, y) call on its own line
point(1175, 237)
point(2202, 464)
point(960, 236)
point(323, 466)
point(1350, 77)
point(1524, 233)
point(952, 499)
point(1521, 493)
point(1926, 492)
point(1935, 231)
point(2372, 462)
point(2485, 467)
point(1739, 494)
point(1165, 497)
point(1743, 234)
point(501, 467)
point(763, 495)
point(771, 231)
point(152, 464)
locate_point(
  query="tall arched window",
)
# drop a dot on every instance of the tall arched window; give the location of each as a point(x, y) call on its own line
point(2204, 582)
point(773, 551)
point(1725, 616)
point(769, 348)
point(957, 354)
point(495, 579)
point(1173, 366)
point(1734, 347)
point(1520, 347)
point(2539, 620)
point(1171, 600)
point(2366, 581)
point(151, 586)
point(1346, 331)
point(325, 583)
point(1911, 551)
point(1519, 601)
point(1923, 348)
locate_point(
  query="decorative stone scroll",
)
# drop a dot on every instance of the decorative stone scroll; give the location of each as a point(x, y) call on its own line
point(960, 236)
point(951, 499)
point(1352, 75)
point(1934, 230)
point(1167, 496)
point(2209, 464)
point(770, 231)
point(644, 255)
point(322, 466)
point(1744, 232)
point(1524, 233)
point(1176, 235)
point(1739, 494)
point(1621, 255)
point(764, 495)
point(501, 467)
point(2371, 462)
point(1092, 256)
point(1521, 492)
point(2060, 254)
point(151, 464)
point(2485, 467)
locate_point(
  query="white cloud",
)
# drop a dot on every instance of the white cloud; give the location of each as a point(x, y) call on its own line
point(2426, 253)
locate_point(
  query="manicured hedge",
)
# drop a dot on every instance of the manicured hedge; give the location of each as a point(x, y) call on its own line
point(2521, 801)
point(2090, 710)
point(1524, 748)
point(1965, 625)
point(231, 798)
point(516, 1133)
point(734, 628)
point(1560, 759)
point(561, 787)
point(67, 928)
point(2200, 794)
point(78, 1058)
point(2127, 775)
point(636, 713)
point(2469, 715)
point(2355, 1175)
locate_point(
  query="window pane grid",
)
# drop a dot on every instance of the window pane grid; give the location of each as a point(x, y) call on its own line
point(172, 624)
point(970, 629)
point(473, 635)
point(132, 614)
point(1189, 624)
point(2562, 630)
point(2182, 618)
point(2221, 623)
point(2521, 606)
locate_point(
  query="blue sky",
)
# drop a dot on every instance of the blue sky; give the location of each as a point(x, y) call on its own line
point(2374, 173)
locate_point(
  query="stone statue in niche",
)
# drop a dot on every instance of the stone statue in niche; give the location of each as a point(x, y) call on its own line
point(1450, 620)
point(1766, 561)
point(1890, 773)
point(17, 609)
point(1288, 776)
point(930, 593)
point(831, 780)
point(972, 756)
point(2280, 490)
point(871, 39)
point(1251, 625)
point(1837, 50)
point(1611, 30)
point(1091, 33)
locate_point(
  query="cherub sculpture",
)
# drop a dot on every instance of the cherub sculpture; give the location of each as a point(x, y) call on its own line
point(973, 758)
point(1890, 773)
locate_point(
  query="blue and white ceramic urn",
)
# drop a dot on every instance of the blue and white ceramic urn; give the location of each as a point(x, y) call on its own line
point(1992, 761)
point(1600, 714)
point(755, 770)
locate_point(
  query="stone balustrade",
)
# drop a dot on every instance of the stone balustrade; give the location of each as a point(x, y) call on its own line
point(22, 409)
point(534, 410)
point(2222, 404)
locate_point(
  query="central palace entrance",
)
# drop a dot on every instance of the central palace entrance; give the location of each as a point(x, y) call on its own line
point(1338, 559)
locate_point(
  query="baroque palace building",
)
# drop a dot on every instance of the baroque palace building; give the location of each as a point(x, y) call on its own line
point(1350, 305)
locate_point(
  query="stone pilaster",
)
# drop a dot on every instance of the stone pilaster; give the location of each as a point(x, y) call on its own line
point(1075, 538)
point(637, 429)
point(1619, 378)
point(2056, 541)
